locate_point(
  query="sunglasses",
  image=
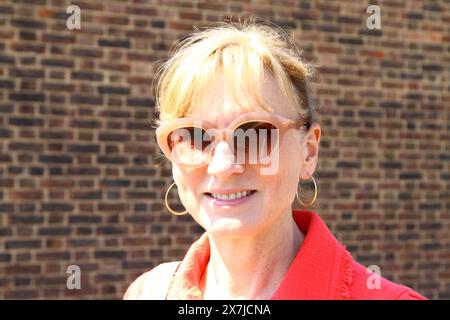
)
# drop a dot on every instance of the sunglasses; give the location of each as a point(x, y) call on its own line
point(253, 137)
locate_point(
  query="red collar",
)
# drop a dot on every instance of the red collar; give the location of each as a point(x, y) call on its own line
point(322, 268)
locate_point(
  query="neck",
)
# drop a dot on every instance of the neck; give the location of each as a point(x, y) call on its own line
point(253, 266)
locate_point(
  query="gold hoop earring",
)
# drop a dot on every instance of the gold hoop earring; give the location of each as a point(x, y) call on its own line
point(177, 213)
point(314, 198)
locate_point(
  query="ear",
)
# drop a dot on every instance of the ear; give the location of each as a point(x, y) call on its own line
point(311, 153)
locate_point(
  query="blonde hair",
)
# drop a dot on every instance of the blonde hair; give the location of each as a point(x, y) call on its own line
point(243, 51)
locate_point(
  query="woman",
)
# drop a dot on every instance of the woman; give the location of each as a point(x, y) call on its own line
point(237, 125)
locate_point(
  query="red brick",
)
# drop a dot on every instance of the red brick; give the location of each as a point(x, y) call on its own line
point(80, 181)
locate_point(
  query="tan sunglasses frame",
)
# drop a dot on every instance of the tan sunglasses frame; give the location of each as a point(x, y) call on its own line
point(166, 127)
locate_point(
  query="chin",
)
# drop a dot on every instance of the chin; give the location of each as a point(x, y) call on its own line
point(230, 227)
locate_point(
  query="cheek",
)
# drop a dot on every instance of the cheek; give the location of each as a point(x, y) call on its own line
point(281, 183)
point(187, 181)
point(285, 182)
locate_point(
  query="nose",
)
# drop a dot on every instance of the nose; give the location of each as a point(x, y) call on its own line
point(222, 162)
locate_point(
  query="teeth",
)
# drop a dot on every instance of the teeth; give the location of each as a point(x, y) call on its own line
point(230, 196)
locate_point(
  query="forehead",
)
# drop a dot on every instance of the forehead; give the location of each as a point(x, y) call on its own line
point(219, 107)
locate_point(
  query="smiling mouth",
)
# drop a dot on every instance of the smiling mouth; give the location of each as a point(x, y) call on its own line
point(231, 196)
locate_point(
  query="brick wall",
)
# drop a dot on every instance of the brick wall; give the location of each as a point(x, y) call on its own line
point(78, 182)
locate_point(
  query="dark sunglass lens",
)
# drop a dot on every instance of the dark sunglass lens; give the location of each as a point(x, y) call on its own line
point(188, 138)
point(254, 140)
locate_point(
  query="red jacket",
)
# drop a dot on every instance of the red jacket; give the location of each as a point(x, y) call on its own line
point(322, 269)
